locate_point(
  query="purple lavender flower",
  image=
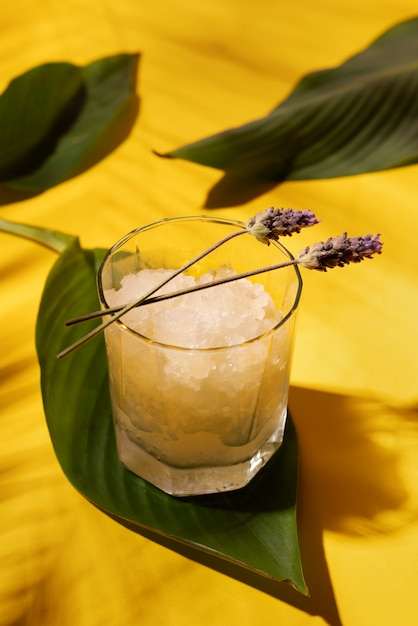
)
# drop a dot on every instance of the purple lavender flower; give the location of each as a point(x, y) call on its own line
point(339, 251)
point(274, 223)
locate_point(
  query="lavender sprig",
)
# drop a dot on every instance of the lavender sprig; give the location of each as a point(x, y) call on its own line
point(339, 251)
point(274, 223)
point(313, 257)
point(265, 226)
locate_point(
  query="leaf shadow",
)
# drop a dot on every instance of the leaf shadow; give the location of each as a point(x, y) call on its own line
point(252, 177)
point(236, 189)
point(8, 195)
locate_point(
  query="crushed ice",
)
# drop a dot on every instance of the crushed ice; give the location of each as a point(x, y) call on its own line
point(226, 315)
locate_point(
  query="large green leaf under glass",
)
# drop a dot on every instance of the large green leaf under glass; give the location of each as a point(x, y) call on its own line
point(359, 117)
point(253, 529)
point(58, 119)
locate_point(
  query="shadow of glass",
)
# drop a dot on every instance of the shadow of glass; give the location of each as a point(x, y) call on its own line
point(350, 450)
point(349, 481)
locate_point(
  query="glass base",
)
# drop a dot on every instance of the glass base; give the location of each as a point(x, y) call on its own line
point(193, 481)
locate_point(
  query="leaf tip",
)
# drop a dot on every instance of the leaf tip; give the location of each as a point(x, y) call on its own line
point(164, 155)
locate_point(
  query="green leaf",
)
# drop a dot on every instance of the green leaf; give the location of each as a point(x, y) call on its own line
point(252, 530)
point(359, 117)
point(34, 107)
point(58, 119)
point(52, 239)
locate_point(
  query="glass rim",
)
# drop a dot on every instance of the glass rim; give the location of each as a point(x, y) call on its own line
point(193, 218)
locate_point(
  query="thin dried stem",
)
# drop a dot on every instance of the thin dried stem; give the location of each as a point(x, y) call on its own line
point(266, 226)
point(181, 292)
point(132, 305)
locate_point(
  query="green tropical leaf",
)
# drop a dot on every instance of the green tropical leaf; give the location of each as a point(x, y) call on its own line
point(52, 239)
point(33, 108)
point(58, 119)
point(253, 530)
point(359, 117)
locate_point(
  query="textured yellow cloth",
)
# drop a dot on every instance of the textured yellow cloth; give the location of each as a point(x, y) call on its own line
point(207, 66)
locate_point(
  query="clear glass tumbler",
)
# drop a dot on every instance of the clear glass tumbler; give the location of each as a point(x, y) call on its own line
point(199, 420)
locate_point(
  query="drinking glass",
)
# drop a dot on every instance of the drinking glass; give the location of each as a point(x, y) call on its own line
point(198, 420)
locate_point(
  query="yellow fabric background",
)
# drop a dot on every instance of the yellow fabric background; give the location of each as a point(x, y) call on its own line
point(207, 66)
